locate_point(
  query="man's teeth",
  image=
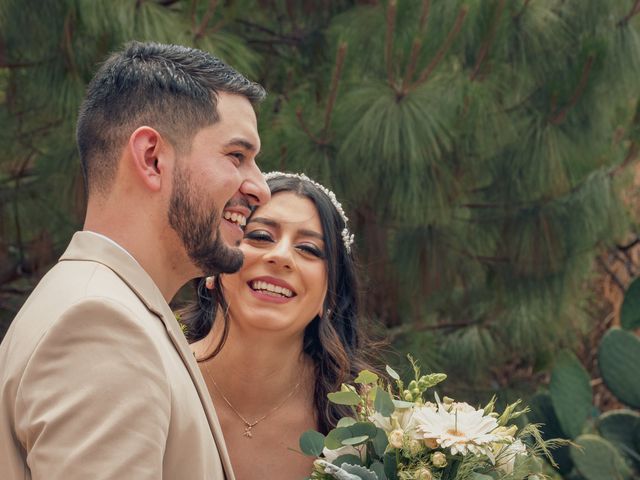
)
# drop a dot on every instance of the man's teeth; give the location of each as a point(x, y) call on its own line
point(268, 287)
point(236, 218)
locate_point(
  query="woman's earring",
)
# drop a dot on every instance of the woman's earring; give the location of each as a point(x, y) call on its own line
point(208, 282)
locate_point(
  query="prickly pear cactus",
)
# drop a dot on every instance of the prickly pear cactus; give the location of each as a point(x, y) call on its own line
point(621, 428)
point(619, 363)
point(630, 311)
point(571, 394)
point(597, 459)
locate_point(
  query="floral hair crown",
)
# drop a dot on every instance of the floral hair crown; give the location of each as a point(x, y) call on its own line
point(347, 237)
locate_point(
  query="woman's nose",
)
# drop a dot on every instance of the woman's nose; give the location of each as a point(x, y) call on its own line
point(280, 255)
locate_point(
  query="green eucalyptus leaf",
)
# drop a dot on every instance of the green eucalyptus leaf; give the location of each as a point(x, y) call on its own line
point(392, 373)
point(383, 403)
point(390, 465)
point(366, 377)
point(312, 443)
point(347, 458)
point(334, 438)
point(361, 472)
point(363, 428)
point(346, 422)
point(355, 440)
point(344, 398)
point(378, 468)
point(380, 442)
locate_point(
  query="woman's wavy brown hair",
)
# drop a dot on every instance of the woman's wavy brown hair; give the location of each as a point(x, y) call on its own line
point(336, 342)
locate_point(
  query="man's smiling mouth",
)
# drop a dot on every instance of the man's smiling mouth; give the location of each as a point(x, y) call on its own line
point(235, 217)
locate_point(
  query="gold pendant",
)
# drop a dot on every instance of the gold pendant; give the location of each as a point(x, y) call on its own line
point(247, 431)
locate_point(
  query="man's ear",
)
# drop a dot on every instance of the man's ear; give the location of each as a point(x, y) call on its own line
point(148, 155)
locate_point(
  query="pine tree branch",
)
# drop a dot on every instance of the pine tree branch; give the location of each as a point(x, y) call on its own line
point(16, 213)
point(632, 155)
point(192, 14)
point(632, 13)
point(624, 257)
point(411, 66)
point(629, 245)
point(453, 33)
point(484, 50)
point(634, 148)
point(291, 13)
point(416, 47)
point(333, 92)
point(394, 333)
point(388, 50)
point(612, 274)
point(518, 15)
point(14, 65)
point(306, 129)
point(584, 78)
point(424, 15)
point(67, 44)
point(206, 18)
point(293, 39)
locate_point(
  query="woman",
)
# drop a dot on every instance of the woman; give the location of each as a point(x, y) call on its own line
point(273, 339)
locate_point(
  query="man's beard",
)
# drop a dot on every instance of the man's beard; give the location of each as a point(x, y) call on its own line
point(198, 227)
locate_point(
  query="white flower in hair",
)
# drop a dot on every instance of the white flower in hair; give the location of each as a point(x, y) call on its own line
point(347, 237)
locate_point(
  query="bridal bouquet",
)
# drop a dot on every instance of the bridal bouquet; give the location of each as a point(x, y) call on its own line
point(394, 434)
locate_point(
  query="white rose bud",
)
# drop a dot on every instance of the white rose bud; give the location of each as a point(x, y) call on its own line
point(439, 460)
point(423, 474)
point(414, 447)
point(396, 438)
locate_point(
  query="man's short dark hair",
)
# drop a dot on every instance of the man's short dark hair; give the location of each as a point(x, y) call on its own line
point(171, 88)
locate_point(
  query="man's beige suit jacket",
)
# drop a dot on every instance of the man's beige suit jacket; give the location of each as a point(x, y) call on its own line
point(97, 380)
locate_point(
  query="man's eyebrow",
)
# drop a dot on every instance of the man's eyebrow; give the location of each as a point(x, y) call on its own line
point(241, 142)
point(272, 223)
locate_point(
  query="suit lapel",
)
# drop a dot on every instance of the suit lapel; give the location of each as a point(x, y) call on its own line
point(87, 246)
point(181, 345)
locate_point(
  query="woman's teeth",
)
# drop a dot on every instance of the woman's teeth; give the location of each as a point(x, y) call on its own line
point(271, 289)
point(236, 218)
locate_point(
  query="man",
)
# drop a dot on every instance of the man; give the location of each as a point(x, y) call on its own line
point(96, 378)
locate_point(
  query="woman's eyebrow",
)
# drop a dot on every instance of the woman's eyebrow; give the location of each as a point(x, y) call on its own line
point(310, 233)
point(272, 223)
point(265, 221)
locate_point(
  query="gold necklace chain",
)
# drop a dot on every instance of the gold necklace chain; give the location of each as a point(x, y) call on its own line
point(249, 425)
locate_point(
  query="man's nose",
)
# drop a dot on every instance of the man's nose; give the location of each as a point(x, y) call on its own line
point(255, 187)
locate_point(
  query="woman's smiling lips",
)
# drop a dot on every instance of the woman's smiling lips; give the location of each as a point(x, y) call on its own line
point(271, 289)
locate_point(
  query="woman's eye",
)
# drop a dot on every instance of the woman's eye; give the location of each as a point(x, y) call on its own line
point(311, 250)
point(258, 235)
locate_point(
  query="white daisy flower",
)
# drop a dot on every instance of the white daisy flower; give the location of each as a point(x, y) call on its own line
point(462, 429)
